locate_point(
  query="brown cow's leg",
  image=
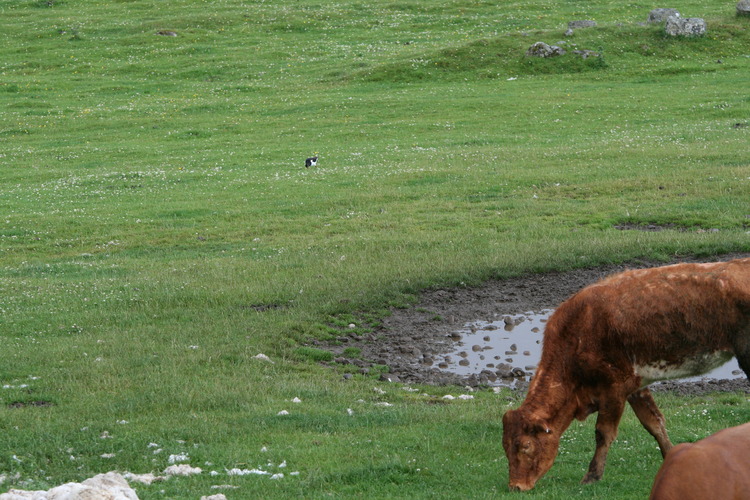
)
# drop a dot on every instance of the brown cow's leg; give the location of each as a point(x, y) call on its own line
point(648, 413)
point(606, 431)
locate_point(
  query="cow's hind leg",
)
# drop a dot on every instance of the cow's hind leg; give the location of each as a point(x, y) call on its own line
point(607, 422)
point(645, 409)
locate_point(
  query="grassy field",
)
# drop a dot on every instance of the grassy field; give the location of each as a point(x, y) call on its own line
point(158, 228)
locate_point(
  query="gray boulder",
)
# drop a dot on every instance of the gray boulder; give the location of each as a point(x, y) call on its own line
point(689, 26)
point(585, 54)
point(541, 49)
point(743, 8)
point(661, 15)
point(581, 24)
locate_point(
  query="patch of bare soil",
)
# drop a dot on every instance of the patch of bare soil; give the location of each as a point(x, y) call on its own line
point(410, 339)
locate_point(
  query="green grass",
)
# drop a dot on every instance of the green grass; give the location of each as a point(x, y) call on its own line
point(158, 229)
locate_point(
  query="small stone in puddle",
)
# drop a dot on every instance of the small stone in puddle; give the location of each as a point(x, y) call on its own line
point(443, 365)
point(511, 353)
point(486, 338)
point(504, 371)
point(476, 348)
point(513, 347)
point(527, 353)
point(464, 362)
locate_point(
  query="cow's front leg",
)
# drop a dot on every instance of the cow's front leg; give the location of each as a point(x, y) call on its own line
point(606, 431)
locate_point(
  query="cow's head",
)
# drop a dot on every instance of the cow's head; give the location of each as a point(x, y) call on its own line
point(531, 447)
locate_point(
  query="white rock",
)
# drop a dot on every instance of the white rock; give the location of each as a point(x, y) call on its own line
point(245, 472)
point(263, 357)
point(180, 457)
point(109, 486)
point(182, 470)
point(143, 478)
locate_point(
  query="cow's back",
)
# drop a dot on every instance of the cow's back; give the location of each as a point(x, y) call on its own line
point(715, 467)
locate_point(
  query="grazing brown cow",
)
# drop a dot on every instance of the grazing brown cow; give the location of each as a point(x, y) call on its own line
point(715, 467)
point(606, 343)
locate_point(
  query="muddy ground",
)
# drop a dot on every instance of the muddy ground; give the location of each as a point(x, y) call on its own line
point(410, 339)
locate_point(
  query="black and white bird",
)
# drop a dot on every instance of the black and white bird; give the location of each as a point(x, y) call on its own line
point(311, 162)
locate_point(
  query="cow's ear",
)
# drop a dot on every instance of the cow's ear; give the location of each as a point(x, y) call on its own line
point(540, 425)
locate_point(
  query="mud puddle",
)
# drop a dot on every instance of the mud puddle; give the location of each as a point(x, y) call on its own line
point(414, 341)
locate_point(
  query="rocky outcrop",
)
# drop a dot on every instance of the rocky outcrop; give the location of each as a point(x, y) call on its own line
point(743, 8)
point(541, 49)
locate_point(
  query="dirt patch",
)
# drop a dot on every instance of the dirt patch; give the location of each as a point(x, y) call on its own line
point(411, 338)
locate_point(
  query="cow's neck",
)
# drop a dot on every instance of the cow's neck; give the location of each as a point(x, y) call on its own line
point(554, 400)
